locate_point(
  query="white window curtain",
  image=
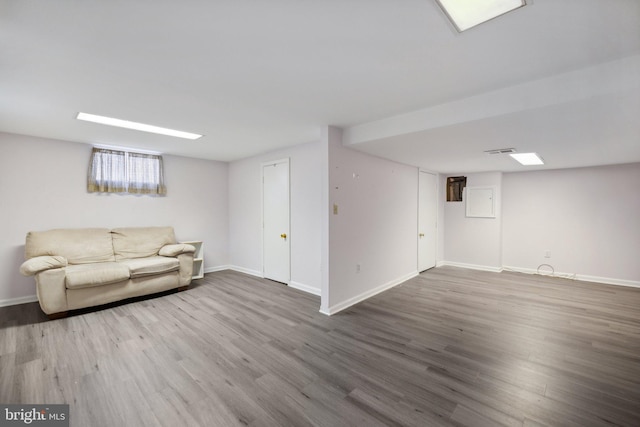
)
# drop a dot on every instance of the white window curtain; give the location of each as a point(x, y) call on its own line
point(113, 171)
point(146, 174)
point(107, 171)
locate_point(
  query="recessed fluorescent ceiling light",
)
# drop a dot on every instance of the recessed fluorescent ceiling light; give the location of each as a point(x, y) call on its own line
point(528, 159)
point(135, 126)
point(468, 13)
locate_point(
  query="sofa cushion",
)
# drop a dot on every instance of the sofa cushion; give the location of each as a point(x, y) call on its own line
point(148, 266)
point(78, 246)
point(100, 273)
point(140, 242)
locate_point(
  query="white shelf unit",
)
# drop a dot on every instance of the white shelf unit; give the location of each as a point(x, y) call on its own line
point(198, 259)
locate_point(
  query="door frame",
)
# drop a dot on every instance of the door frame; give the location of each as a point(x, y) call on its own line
point(287, 162)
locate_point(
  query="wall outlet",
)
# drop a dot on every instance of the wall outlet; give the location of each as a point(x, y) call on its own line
point(547, 253)
point(357, 268)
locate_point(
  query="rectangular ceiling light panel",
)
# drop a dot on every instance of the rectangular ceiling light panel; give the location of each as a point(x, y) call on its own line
point(468, 13)
point(136, 126)
point(528, 159)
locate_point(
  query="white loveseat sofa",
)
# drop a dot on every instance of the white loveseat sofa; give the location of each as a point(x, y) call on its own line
point(85, 267)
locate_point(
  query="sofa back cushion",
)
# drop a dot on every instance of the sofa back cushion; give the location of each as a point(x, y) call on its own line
point(140, 242)
point(77, 245)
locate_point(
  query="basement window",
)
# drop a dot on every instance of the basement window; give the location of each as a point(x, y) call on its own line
point(115, 171)
point(455, 187)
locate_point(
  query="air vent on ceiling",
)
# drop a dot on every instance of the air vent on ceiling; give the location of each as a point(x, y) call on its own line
point(501, 151)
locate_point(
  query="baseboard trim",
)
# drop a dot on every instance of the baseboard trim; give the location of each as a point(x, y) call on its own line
point(365, 295)
point(470, 266)
point(305, 288)
point(245, 270)
point(293, 284)
point(579, 277)
point(19, 300)
point(609, 281)
point(218, 268)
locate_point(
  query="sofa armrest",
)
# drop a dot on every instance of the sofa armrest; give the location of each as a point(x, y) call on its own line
point(176, 249)
point(41, 263)
point(51, 290)
point(186, 268)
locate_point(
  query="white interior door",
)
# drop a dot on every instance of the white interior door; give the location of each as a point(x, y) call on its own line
point(427, 220)
point(275, 221)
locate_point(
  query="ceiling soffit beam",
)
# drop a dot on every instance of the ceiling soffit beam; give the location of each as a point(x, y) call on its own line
point(611, 77)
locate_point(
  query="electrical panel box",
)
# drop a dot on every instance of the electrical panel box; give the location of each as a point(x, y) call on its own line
point(480, 202)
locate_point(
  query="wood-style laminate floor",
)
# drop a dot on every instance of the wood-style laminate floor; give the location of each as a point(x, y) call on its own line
point(451, 347)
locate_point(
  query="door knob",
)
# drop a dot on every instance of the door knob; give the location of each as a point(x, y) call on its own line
point(283, 235)
point(421, 235)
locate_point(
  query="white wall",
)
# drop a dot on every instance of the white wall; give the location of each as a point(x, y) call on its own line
point(473, 242)
point(376, 226)
point(245, 214)
point(43, 186)
point(589, 218)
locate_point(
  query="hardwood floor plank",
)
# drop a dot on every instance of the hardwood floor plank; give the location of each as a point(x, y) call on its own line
point(466, 417)
point(450, 347)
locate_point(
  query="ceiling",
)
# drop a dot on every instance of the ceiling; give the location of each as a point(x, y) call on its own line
point(561, 78)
